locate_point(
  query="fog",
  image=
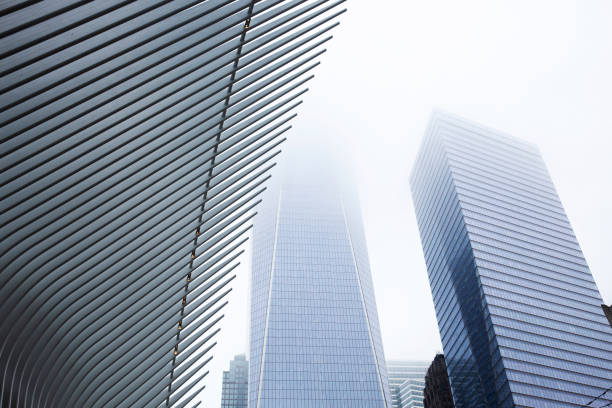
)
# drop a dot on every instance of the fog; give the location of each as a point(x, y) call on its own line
point(539, 71)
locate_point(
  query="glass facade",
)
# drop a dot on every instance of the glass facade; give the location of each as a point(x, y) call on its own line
point(234, 392)
point(518, 311)
point(406, 383)
point(315, 339)
point(411, 393)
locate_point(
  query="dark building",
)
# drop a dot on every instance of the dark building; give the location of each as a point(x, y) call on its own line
point(235, 389)
point(437, 392)
point(136, 139)
point(608, 312)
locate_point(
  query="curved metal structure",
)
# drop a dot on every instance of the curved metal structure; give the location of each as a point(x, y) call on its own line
point(135, 140)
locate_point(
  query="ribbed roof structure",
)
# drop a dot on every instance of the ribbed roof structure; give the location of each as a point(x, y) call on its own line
point(135, 140)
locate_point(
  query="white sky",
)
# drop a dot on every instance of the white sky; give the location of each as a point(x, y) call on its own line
point(539, 70)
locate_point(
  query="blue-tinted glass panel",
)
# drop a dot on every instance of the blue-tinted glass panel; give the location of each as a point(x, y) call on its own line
point(518, 310)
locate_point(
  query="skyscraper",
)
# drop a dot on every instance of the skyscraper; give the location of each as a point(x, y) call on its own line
point(437, 392)
point(136, 139)
point(314, 339)
point(406, 382)
point(517, 307)
point(234, 390)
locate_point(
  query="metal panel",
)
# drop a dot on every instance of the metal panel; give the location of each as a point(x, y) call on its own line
point(136, 138)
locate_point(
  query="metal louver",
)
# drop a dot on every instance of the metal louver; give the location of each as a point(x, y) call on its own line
point(135, 139)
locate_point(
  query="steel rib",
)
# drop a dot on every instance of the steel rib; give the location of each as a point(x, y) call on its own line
point(164, 338)
point(154, 377)
point(90, 52)
point(155, 374)
point(139, 372)
point(175, 398)
point(105, 76)
point(152, 372)
point(237, 226)
point(28, 17)
point(244, 96)
point(211, 59)
point(115, 13)
point(193, 370)
point(175, 70)
point(37, 255)
point(148, 334)
point(206, 95)
point(71, 251)
point(162, 288)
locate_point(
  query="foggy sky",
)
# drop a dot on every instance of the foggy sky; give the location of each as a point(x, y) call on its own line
point(539, 71)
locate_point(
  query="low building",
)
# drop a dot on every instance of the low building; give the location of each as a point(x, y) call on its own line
point(406, 382)
point(235, 389)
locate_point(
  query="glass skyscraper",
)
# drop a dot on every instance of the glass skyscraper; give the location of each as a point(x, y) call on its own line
point(314, 339)
point(234, 391)
point(518, 311)
point(406, 383)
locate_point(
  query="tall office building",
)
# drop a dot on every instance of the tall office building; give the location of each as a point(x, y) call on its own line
point(234, 390)
point(314, 339)
point(136, 138)
point(437, 392)
point(406, 383)
point(518, 311)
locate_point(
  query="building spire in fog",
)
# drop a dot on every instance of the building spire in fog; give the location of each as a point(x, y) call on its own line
point(315, 337)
